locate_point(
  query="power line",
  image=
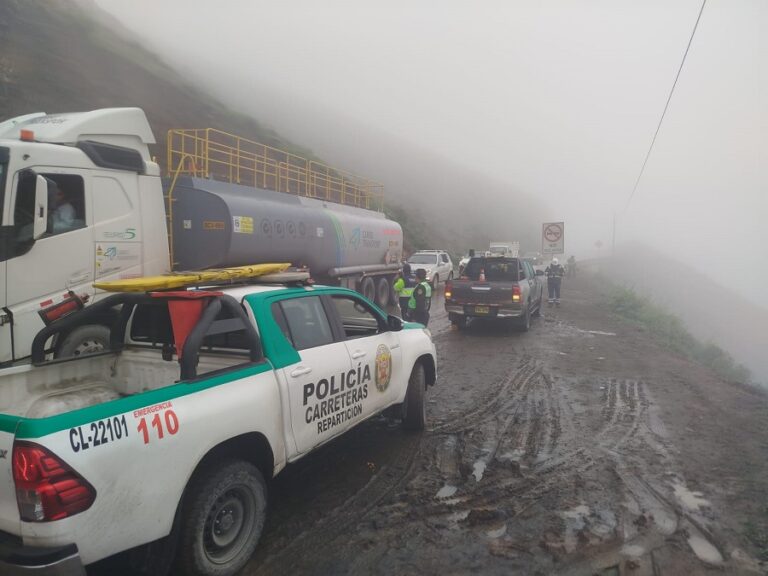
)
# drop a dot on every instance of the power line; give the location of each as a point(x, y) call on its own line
point(666, 106)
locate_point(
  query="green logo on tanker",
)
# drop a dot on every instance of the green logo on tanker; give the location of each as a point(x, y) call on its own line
point(355, 240)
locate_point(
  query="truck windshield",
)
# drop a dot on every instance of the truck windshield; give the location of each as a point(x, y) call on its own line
point(494, 270)
point(423, 259)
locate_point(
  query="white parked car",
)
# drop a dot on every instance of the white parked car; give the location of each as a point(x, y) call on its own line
point(437, 264)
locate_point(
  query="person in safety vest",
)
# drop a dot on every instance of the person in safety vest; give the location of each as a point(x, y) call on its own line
point(403, 287)
point(555, 273)
point(421, 299)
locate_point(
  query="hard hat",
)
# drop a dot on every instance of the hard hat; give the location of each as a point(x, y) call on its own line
point(555, 261)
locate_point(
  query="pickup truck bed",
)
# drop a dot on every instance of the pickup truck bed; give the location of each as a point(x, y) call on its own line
point(495, 287)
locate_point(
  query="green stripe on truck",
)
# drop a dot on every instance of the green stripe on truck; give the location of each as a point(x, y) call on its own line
point(29, 428)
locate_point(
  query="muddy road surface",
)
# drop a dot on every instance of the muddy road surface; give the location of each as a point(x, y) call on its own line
point(579, 447)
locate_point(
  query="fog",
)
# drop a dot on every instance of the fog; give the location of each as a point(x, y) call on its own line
point(557, 101)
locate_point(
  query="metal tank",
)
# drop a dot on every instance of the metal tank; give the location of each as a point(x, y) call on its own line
point(217, 224)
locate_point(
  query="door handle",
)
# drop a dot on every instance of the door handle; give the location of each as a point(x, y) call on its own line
point(357, 354)
point(300, 371)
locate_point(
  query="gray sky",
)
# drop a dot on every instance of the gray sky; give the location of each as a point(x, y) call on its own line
point(559, 99)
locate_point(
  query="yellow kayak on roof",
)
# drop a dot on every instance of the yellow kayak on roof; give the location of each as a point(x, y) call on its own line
point(196, 278)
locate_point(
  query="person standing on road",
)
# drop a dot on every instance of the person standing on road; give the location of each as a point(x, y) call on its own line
point(421, 299)
point(554, 274)
point(571, 266)
point(403, 287)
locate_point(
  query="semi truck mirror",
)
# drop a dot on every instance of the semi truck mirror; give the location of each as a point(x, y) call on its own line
point(41, 207)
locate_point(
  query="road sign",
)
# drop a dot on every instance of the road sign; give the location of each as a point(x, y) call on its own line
point(553, 238)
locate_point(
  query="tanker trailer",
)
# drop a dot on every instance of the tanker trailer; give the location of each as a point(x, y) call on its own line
point(218, 224)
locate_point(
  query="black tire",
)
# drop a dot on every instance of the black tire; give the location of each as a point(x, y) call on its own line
point(537, 311)
point(383, 290)
point(84, 340)
point(222, 519)
point(524, 323)
point(459, 320)
point(368, 288)
point(415, 405)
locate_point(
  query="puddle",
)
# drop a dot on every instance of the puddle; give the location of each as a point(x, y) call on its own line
point(446, 491)
point(598, 332)
point(691, 501)
point(478, 470)
point(575, 521)
point(458, 516)
point(633, 550)
point(498, 532)
point(705, 551)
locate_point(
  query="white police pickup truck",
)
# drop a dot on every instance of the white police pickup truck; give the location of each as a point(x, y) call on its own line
point(162, 444)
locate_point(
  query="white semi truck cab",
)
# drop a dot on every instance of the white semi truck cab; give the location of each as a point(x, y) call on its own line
point(81, 200)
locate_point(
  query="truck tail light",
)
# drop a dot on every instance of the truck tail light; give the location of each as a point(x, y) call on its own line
point(46, 487)
point(448, 290)
point(516, 294)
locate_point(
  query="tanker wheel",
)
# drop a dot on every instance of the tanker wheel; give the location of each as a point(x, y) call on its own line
point(382, 292)
point(368, 288)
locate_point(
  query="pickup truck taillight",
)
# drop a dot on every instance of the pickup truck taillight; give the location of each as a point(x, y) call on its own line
point(46, 488)
point(448, 290)
point(516, 293)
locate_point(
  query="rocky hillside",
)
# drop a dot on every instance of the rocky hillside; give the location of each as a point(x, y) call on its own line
point(67, 56)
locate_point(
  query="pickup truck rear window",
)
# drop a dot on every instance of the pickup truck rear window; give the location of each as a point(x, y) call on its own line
point(495, 269)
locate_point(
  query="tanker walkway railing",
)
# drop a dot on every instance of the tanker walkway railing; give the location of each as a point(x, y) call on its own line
point(211, 153)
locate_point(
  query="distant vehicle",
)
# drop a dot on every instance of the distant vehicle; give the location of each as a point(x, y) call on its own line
point(509, 249)
point(495, 287)
point(436, 263)
point(465, 259)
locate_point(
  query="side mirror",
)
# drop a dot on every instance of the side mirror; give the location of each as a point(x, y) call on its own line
point(41, 208)
point(539, 272)
point(394, 323)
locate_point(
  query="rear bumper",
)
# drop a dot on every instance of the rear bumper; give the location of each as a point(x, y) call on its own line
point(494, 311)
point(19, 560)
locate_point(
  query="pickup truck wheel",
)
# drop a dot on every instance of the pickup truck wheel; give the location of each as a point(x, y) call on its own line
point(525, 321)
point(536, 313)
point(84, 340)
point(450, 275)
point(382, 292)
point(222, 519)
point(415, 406)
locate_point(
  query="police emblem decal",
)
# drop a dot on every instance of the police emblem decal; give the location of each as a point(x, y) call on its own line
point(383, 367)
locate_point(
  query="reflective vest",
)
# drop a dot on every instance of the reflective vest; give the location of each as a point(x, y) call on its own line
point(402, 289)
point(427, 294)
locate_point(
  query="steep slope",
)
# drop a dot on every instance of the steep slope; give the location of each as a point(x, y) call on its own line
point(712, 311)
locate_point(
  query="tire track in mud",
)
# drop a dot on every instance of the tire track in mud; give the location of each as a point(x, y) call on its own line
point(307, 544)
point(516, 381)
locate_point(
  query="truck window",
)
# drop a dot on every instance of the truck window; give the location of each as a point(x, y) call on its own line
point(151, 324)
point(444, 258)
point(358, 319)
point(306, 322)
point(495, 269)
point(66, 203)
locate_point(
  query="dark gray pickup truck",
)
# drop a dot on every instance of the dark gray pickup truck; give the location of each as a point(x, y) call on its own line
point(495, 287)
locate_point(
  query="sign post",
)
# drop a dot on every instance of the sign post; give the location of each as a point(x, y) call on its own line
point(553, 238)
